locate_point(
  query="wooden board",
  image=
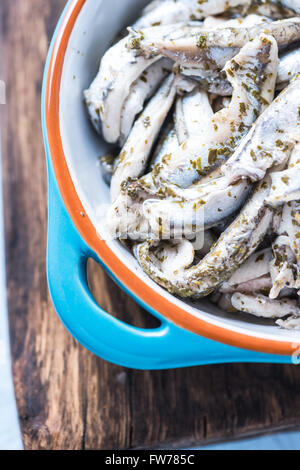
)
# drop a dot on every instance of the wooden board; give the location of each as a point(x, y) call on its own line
point(67, 398)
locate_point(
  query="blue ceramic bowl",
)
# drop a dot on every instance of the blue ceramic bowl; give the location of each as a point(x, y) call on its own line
point(189, 334)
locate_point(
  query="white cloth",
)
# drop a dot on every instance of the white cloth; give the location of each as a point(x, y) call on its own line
point(10, 437)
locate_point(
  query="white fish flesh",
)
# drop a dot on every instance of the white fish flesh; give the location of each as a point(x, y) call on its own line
point(271, 139)
point(168, 143)
point(233, 247)
point(252, 92)
point(286, 183)
point(261, 284)
point(255, 267)
point(195, 209)
point(275, 8)
point(282, 267)
point(208, 240)
point(285, 267)
point(141, 90)
point(119, 69)
point(289, 66)
point(189, 96)
point(219, 22)
point(291, 323)
point(216, 82)
point(188, 163)
point(161, 12)
point(134, 155)
point(175, 256)
point(293, 5)
point(262, 306)
point(210, 49)
point(190, 110)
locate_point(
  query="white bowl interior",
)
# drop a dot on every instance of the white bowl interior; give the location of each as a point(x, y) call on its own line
point(96, 26)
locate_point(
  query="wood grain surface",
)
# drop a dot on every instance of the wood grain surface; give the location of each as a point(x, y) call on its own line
point(67, 398)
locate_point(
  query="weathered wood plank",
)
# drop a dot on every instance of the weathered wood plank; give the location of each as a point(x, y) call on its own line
point(67, 398)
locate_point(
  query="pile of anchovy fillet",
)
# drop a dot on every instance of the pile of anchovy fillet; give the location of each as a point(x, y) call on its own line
point(201, 100)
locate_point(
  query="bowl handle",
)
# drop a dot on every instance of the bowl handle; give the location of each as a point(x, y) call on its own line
point(167, 346)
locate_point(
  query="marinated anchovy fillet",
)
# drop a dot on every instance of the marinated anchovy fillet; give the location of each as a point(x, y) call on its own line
point(135, 153)
point(289, 66)
point(285, 267)
point(281, 268)
point(175, 256)
point(119, 69)
point(275, 8)
point(190, 110)
point(135, 192)
point(261, 285)
point(291, 213)
point(293, 5)
point(234, 246)
point(187, 212)
point(172, 11)
point(270, 140)
point(286, 183)
point(209, 238)
point(105, 98)
point(252, 74)
point(262, 306)
point(142, 89)
point(255, 267)
point(210, 49)
point(195, 209)
point(291, 323)
point(168, 143)
point(216, 81)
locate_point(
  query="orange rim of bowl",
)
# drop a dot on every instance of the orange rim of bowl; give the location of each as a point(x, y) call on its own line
point(131, 281)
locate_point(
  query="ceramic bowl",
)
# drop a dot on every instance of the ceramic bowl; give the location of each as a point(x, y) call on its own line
point(77, 193)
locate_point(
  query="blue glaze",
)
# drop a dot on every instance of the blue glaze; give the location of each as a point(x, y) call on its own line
point(168, 346)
